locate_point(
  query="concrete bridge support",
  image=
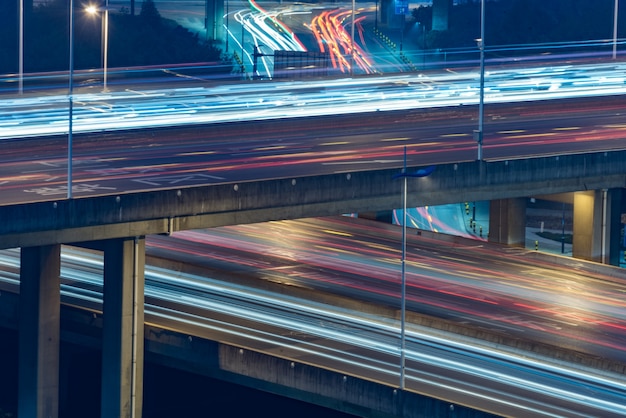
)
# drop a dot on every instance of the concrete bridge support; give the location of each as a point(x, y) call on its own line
point(597, 223)
point(122, 335)
point(123, 328)
point(39, 331)
point(507, 221)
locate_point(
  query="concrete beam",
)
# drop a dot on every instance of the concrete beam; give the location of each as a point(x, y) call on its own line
point(39, 331)
point(123, 328)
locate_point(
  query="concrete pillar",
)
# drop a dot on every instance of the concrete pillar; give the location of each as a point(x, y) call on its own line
point(597, 222)
point(507, 221)
point(123, 325)
point(39, 331)
point(441, 14)
point(587, 225)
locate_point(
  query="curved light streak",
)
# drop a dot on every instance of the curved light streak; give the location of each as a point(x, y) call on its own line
point(329, 29)
point(267, 33)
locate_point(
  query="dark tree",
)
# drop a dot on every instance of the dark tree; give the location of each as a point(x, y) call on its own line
point(149, 11)
point(8, 36)
point(145, 39)
point(424, 16)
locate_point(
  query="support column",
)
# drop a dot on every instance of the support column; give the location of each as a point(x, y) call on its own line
point(507, 221)
point(123, 327)
point(586, 240)
point(597, 225)
point(39, 331)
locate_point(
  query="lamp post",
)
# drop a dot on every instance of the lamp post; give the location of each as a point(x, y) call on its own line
point(105, 37)
point(105, 57)
point(71, 105)
point(615, 28)
point(21, 50)
point(478, 134)
point(423, 172)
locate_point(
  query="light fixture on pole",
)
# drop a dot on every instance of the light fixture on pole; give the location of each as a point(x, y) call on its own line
point(423, 172)
point(71, 104)
point(105, 37)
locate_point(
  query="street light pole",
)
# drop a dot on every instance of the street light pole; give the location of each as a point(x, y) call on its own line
point(403, 282)
point(21, 50)
point(615, 28)
point(419, 173)
point(106, 43)
point(105, 38)
point(481, 45)
point(71, 104)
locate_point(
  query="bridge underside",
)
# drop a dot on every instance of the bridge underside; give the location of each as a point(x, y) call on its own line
point(597, 223)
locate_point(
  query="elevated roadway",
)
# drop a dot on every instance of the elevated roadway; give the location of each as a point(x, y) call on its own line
point(130, 184)
point(134, 183)
point(287, 298)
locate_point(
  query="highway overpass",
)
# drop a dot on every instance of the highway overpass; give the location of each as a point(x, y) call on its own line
point(586, 161)
point(118, 224)
point(165, 211)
